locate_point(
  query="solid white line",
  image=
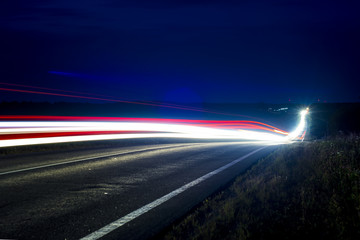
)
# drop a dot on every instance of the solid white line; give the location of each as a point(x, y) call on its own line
point(88, 159)
point(131, 216)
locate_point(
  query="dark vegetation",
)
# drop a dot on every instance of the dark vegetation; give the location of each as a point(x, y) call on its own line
point(307, 190)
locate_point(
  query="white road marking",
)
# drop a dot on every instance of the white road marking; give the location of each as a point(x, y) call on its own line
point(88, 159)
point(131, 216)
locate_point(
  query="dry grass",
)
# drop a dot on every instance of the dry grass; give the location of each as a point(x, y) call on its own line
point(305, 190)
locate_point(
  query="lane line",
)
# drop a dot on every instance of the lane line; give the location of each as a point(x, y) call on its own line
point(131, 216)
point(90, 158)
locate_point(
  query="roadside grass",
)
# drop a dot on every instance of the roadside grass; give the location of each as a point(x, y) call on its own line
point(308, 190)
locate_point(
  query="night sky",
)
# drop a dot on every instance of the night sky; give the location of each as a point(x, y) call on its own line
point(183, 51)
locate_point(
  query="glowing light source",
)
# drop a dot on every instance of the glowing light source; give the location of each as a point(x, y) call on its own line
point(71, 129)
point(299, 132)
point(99, 97)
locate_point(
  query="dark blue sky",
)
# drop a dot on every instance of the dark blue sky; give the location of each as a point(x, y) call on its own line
point(184, 51)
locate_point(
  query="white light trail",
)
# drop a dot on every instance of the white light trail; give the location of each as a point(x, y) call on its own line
point(301, 127)
point(94, 130)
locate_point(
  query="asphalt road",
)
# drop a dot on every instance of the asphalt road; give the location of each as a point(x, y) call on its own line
point(71, 194)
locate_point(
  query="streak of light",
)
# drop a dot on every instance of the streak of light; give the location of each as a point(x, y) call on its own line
point(21, 142)
point(106, 99)
point(44, 126)
point(17, 133)
point(60, 134)
point(99, 95)
point(102, 98)
point(213, 123)
point(50, 89)
point(299, 132)
point(84, 97)
point(95, 131)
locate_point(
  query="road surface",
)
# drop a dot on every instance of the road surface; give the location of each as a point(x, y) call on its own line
point(73, 194)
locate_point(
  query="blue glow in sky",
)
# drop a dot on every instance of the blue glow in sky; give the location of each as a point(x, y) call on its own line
point(221, 51)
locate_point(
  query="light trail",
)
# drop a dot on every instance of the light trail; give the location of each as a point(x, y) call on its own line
point(107, 98)
point(58, 129)
point(83, 97)
point(231, 124)
point(115, 100)
point(97, 95)
point(299, 132)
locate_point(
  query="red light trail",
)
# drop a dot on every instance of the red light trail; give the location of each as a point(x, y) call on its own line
point(163, 105)
point(30, 129)
point(27, 130)
point(223, 124)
